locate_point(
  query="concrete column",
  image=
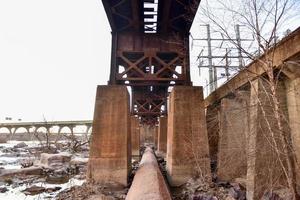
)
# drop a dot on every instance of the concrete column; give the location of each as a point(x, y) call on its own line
point(110, 149)
point(187, 148)
point(213, 129)
point(162, 134)
point(135, 137)
point(293, 100)
point(147, 133)
point(264, 171)
point(156, 136)
point(234, 127)
point(143, 134)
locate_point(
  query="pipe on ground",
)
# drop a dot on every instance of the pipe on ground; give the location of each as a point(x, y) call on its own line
point(148, 182)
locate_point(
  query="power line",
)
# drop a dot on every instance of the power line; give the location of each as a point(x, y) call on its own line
point(212, 69)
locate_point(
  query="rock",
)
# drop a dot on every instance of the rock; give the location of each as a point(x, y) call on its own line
point(23, 171)
point(241, 181)
point(20, 145)
point(55, 161)
point(278, 194)
point(57, 179)
point(3, 189)
point(204, 197)
point(50, 190)
point(233, 193)
point(79, 161)
point(230, 198)
point(237, 191)
point(34, 190)
point(101, 197)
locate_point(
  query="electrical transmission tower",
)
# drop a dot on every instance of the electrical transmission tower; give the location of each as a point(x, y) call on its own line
point(224, 59)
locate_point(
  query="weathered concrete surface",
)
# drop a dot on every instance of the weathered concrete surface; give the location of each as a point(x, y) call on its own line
point(147, 133)
point(264, 171)
point(110, 149)
point(148, 182)
point(187, 148)
point(162, 135)
point(156, 136)
point(234, 128)
point(135, 136)
point(213, 129)
point(293, 99)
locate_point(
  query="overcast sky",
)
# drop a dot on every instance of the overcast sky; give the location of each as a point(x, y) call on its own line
point(53, 54)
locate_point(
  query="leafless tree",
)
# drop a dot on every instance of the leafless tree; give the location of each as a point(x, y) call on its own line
point(264, 19)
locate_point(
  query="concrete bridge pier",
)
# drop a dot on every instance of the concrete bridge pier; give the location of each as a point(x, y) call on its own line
point(162, 135)
point(110, 149)
point(156, 136)
point(264, 171)
point(233, 131)
point(292, 84)
point(135, 136)
point(187, 148)
point(147, 134)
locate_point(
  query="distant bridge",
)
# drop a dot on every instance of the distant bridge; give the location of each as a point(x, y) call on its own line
point(47, 125)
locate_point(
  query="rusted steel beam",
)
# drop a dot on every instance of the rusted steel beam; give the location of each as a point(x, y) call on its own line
point(148, 182)
point(172, 15)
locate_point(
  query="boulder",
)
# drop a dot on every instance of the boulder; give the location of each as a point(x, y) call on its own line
point(20, 145)
point(79, 161)
point(55, 161)
point(34, 190)
point(23, 171)
point(3, 189)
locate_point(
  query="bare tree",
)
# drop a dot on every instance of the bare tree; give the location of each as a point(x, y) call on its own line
point(264, 20)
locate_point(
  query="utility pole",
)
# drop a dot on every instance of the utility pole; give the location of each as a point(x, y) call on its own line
point(239, 45)
point(227, 65)
point(210, 64)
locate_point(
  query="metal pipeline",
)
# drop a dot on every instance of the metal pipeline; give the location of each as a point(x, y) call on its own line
point(148, 182)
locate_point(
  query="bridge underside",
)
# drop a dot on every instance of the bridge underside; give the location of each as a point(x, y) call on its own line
point(150, 51)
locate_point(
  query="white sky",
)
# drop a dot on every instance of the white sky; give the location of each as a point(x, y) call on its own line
point(53, 54)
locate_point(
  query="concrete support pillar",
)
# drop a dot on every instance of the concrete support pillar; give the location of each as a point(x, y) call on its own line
point(156, 136)
point(142, 134)
point(147, 133)
point(162, 135)
point(293, 100)
point(264, 171)
point(234, 128)
point(135, 137)
point(187, 148)
point(110, 149)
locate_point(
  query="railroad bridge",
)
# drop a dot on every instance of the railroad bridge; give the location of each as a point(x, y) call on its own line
point(150, 53)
